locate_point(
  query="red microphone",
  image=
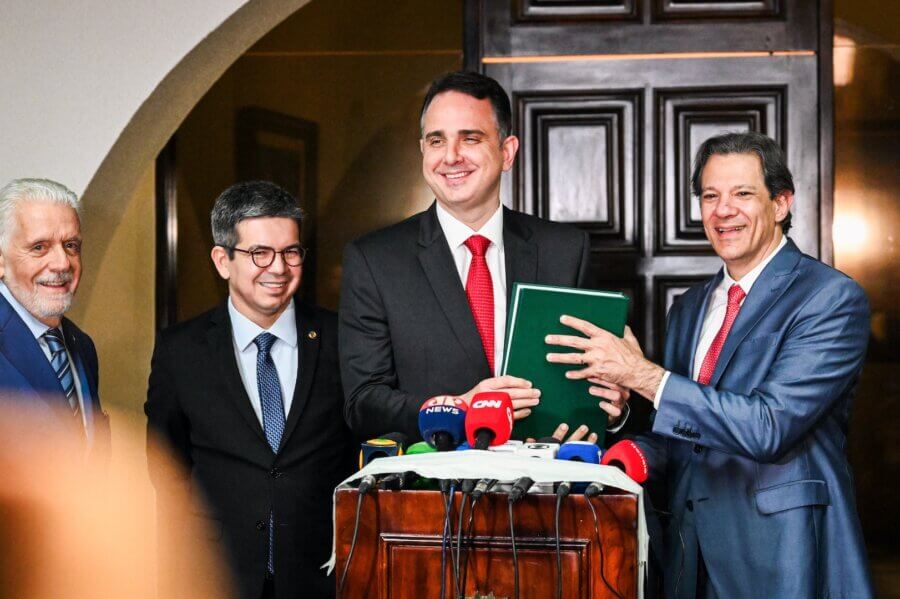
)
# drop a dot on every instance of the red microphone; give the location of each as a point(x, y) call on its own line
point(489, 419)
point(627, 456)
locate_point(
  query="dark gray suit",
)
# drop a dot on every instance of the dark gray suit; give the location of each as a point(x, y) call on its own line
point(406, 330)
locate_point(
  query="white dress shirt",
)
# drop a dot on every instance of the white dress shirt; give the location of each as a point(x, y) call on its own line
point(715, 314)
point(38, 329)
point(285, 354)
point(456, 233)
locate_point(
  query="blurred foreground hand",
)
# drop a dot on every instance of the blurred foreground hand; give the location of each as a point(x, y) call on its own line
point(75, 528)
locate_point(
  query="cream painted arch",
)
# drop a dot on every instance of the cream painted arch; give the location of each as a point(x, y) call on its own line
point(91, 92)
point(162, 112)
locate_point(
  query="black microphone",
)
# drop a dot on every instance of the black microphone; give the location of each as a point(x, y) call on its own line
point(593, 490)
point(366, 484)
point(519, 489)
point(563, 489)
point(484, 485)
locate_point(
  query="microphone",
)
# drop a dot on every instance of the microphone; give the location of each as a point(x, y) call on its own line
point(627, 456)
point(484, 485)
point(519, 489)
point(576, 451)
point(579, 451)
point(366, 484)
point(382, 447)
point(489, 420)
point(442, 422)
point(546, 451)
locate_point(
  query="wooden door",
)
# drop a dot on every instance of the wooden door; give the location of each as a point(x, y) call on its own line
point(611, 99)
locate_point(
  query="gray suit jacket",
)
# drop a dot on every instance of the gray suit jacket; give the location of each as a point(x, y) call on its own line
point(406, 331)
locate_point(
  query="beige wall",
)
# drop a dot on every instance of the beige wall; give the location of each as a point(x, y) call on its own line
point(360, 73)
point(118, 312)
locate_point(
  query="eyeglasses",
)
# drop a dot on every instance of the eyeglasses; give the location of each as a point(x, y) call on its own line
point(263, 257)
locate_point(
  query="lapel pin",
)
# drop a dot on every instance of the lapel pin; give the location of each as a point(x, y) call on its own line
point(312, 334)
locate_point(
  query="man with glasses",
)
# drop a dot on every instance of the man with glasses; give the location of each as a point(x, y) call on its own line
point(248, 397)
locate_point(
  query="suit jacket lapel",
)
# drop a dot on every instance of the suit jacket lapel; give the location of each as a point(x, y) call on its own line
point(20, 347)
point(221, 348)
point(308, 335)
point(521, 254)
point(440, 270)
point(773, 281)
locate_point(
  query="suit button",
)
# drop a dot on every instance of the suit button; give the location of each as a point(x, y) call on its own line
point(690, 505)
point(260, 525)
point(698, 449)
point(274, 473)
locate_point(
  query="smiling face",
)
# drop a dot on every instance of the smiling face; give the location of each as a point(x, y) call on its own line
point(41, 262)
point(463, 156)
point(740, 219)
point(261, 294)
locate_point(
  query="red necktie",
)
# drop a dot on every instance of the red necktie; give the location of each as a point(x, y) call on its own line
point(735, 296)
point(480, 291)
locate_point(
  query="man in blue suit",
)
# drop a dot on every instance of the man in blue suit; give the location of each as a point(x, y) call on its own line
point(47, 364)
point(753, 400)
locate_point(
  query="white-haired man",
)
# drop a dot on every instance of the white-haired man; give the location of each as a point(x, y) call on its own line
point(47, 364)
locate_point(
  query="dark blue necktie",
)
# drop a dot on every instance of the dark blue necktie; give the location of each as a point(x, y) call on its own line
point(272, 411)
point(59, 359)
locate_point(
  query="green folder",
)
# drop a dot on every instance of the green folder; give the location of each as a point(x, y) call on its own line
point(534, 312)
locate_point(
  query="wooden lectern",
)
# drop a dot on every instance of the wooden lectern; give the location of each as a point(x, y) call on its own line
point(398, 546)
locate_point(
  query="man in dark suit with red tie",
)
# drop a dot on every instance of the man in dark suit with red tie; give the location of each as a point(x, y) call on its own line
point(47, 364)
point(248, 398)
point(423, 302)
point(753, 401)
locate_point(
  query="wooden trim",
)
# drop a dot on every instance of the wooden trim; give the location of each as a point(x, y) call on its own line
point(166, 238)
point(651, 56)
point(826, 130)
point(471, 35)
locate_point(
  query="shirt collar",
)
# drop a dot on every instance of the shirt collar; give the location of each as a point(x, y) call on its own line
point(245, 330)
point(748, 279)
point(457, 232)
point(34, 325)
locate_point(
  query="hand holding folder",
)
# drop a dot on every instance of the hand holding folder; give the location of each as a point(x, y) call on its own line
point(534, 313)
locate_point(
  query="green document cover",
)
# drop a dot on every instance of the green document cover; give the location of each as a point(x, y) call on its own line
point(534, 313)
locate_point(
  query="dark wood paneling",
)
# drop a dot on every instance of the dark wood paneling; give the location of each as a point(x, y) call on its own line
point(666, 289)
point(686, 118)
point(677, 27)
point(398, 547)
point(581, 10)
point(580, 162)
point(166, 238)
point(717, 9)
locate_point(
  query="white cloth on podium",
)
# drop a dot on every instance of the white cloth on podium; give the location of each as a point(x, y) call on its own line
point(507, 467)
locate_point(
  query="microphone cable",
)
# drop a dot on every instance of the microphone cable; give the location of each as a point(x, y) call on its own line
point(460, 590)
point(561, 491)
point(515, 555)
point(600, 547)
point(447, 536)
point(482, 487)
point(364, 487)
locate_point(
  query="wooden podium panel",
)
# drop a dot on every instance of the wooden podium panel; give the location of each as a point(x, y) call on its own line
point(398, 548)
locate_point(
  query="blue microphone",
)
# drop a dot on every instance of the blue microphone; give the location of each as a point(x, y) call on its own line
point(576, 451)
point(579, 451)
point(442, 422)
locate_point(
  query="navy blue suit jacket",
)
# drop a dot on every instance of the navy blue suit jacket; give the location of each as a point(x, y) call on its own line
point(755, 462)
point(27, 380)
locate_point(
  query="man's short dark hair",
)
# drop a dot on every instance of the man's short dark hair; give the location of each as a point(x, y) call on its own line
point(478, 86)
point(777, 176)
point(252, 199)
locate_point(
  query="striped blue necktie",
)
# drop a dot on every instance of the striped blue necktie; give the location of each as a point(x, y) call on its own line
point(272, 412)
point(59, 359)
